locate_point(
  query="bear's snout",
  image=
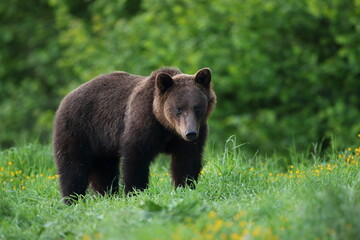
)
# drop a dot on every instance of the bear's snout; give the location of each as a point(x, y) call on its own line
point(191, 135)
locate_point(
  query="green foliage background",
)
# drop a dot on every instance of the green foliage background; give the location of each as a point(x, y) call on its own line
point(284, 71)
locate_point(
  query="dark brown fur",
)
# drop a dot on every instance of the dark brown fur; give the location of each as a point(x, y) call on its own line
point(132, 118)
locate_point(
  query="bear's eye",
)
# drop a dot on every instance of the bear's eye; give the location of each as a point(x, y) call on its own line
point(197, 109)
point(178, 111)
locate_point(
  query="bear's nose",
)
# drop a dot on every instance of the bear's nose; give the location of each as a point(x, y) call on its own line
point(191, 135)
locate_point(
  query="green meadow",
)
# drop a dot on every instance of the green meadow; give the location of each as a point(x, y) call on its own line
point(301, 196)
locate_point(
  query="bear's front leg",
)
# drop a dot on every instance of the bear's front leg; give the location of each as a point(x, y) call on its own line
point(186, 164)
point(135, 167)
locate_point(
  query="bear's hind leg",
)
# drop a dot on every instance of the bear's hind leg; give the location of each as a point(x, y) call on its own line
point(73, 179)
point(73, 165)
point(105, 175)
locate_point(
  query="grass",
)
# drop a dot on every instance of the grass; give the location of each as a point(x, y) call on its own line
point(237, 197)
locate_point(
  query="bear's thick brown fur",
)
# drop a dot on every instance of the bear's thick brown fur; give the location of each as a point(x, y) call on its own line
point(133, 118)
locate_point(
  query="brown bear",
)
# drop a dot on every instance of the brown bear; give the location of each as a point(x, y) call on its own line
point(119, 116)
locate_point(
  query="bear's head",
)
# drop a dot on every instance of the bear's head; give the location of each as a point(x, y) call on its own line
point(183, 102)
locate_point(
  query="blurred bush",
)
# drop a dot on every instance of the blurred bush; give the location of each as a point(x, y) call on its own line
point(285, 72)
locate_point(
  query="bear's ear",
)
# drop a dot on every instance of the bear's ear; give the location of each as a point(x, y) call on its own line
point(203, 77)
point(164, 81)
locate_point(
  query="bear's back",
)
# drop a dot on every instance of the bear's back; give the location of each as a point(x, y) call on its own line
point(105, 91)
point(108, 86)
point(96, 108)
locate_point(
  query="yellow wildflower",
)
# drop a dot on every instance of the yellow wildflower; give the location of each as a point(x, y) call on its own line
point(229, 224)
point(212, 214)
point(239, 215)
point(218, 224)
point(86, 237)
point(235, 236)
point(256, 232)
point(242, 224)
